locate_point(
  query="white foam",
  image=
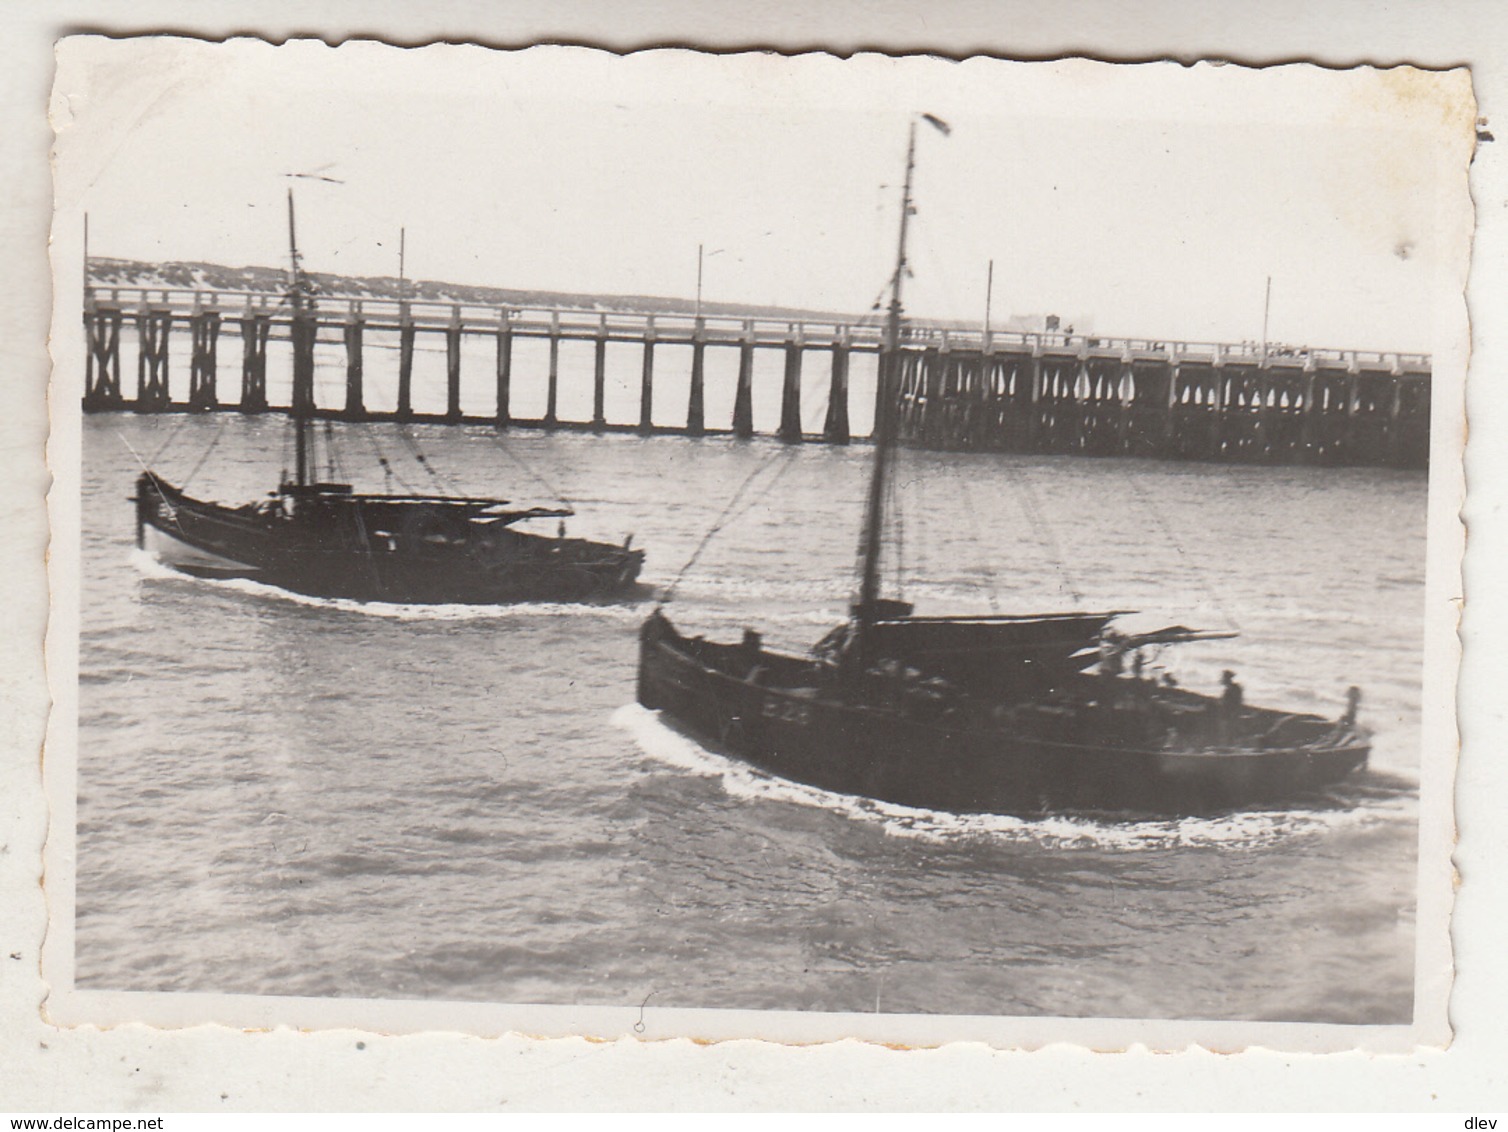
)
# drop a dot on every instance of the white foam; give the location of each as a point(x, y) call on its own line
point(813, 622)
point(1247, 830)
point(152, 567)
point(742, 586)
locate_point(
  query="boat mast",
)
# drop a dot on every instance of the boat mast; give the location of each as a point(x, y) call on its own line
point(302, 332)
point(864, 610)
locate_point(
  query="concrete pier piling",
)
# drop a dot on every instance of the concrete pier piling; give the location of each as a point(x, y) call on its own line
point(504, 332)
point(355, 403)
point(743, 395)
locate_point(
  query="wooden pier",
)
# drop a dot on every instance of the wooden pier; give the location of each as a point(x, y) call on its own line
point(960, 390)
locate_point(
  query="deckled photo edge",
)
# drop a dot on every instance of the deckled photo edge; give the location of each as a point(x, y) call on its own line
point(71, 1007)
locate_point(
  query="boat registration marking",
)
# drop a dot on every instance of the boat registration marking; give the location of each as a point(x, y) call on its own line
point(788, 711)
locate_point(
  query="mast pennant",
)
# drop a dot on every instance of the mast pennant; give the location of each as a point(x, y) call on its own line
point(941, 126)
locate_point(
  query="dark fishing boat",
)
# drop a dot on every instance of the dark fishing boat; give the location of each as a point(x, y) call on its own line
point(326, 540)
point(995, 714)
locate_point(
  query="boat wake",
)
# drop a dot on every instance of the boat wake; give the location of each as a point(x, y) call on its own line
point(1366, 804)
point(150, 566)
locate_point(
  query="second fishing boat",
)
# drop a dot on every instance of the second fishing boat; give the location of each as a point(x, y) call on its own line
point(324, 539)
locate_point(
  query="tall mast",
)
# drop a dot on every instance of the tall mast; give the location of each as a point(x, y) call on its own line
point(884, 438)
point(989, 293)
point(302, 332)
point(1266, 306)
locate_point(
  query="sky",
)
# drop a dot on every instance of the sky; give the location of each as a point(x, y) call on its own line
point(1152, 200)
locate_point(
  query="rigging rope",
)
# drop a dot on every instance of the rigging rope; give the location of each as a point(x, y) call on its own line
point(444, 483)
point(967, 493)
point(1044, 533)
point(898, 525)
point(933, 269)
point(524, 466)
point(332, 455)
point(879, 302)
point(1191, 565)
point(163, 447)
point(218, 434)
point(287, 454)
point(388, 470)
point(921, 518)
point(758, 496)
point(727, 514)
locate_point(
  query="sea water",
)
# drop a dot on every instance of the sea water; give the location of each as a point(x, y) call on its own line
point(280, 795)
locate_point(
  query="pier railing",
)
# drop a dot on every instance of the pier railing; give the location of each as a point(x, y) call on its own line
point(619, 325)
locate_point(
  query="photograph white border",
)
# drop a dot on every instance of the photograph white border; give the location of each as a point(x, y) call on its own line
point(1471, 776)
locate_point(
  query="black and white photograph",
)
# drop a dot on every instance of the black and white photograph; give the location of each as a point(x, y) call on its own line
point(676, 544)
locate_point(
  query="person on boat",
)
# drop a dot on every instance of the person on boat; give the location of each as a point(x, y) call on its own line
point(1234, 695)
point(1353, 701)
point(1112, 663)
point(1231, 701)
point(1112, 653)
point(752, 648)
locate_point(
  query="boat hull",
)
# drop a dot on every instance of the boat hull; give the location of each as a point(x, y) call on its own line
point(1109, 757)
point(372, 548)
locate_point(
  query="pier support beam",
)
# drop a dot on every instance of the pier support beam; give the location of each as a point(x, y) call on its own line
point(1034, 375)
point(1219, 395)
point(1264, 438)
point(205, 331)
point(254, 330)
point(453, 371)
point(696, 422)
point(355, 394)
point(743, 397)
point(1170, 410)
point(1081, 393)
point(1124, 385)
point(102, 363)
point(1395, 422)
point(1353, 401)
point(303, 330)
point(835, 428)
point(647, 385)
point(552, 389)
point(599, 380)
point(790, 395)
point(504, 370)
point(405, 369)
point(152, 328)
point(1307, 447)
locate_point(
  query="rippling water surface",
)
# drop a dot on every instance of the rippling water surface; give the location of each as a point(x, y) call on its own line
point(292, 797)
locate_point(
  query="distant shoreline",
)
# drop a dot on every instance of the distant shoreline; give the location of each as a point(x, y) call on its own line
point(108, 272)
point(105, 271)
